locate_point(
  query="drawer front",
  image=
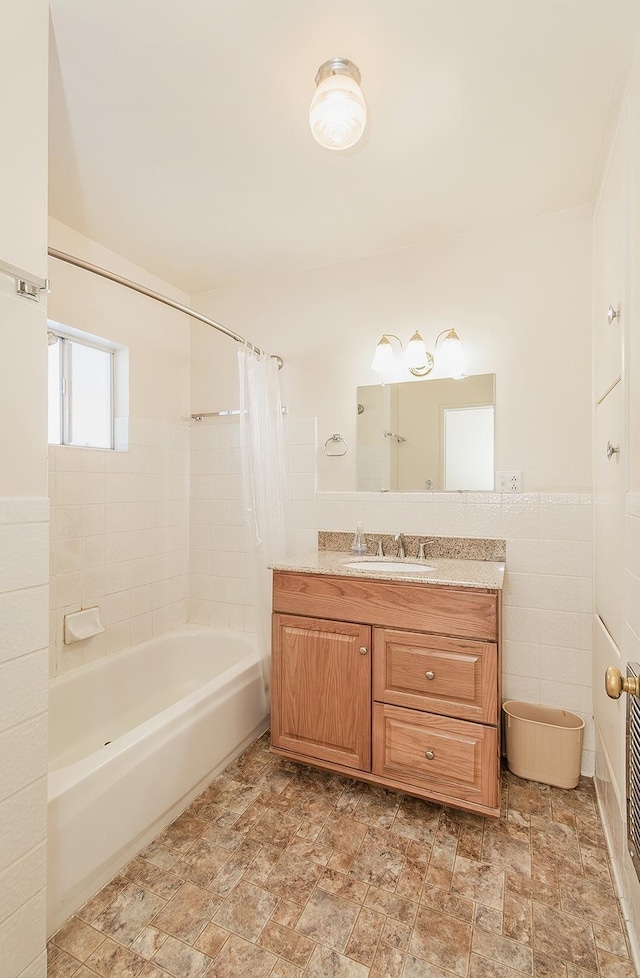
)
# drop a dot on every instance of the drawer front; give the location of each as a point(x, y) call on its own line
point(451, 757)
point(457, 677)
point(392, 604)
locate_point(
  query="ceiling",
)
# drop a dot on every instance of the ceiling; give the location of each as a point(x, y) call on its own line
point(179, 132)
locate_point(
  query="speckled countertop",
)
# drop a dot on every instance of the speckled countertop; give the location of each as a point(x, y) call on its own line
point(446, 570)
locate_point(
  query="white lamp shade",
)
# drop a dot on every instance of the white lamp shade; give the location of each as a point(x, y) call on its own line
point(383, 359)
point(451, 356)
point(338, 112)
point(416, 355)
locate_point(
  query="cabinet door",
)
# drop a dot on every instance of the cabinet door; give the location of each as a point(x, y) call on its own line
point(454, 676)
point(321, 689)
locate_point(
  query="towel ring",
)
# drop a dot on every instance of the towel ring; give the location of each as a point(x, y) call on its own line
point(336, 439)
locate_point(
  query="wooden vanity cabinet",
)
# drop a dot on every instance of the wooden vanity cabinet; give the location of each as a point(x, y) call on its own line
point(392, 682)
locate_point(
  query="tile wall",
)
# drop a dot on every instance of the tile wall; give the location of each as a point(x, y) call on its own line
point(219, 588)
point(120, 539)
point(24, 544)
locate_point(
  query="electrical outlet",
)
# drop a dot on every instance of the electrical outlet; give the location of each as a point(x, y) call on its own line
point(509, 481)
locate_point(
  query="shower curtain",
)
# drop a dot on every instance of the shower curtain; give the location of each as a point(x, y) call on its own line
point(265, 485)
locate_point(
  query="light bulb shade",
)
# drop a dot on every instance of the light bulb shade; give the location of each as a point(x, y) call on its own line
point(416, 355)
point(383, 359)
point(451, 356)
point(338, 113)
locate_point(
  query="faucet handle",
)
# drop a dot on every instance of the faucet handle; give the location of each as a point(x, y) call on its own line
point(398, 539)
point(379, 547)
point(421, 551)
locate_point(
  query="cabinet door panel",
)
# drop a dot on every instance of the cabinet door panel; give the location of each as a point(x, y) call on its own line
point(450, 757)
point(456, 676)
point(321, 689)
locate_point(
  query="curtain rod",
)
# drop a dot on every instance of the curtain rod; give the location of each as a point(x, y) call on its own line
point(143, 290)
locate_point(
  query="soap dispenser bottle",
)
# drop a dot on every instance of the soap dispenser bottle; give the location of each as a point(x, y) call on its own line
point(359, 545)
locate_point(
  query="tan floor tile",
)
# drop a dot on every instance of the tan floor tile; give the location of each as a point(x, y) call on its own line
point(388, 962)
point(585, 898)
point(275, 828)
point(152, 878)
point(480, 882)
point(342, 885)
point(262, 864)
point(546, 966)
point(507, 846)
point(417, 820)
point(150, 971)
point(233, 870)
point(293, 878)
point(284, 969)
point(187, 913)
point(396, 934)
point(287, 913)
point(391, 904)
point(610, 940)
point(112, 960)
point(328, 919)
point(286, 943)
point(78, 939)
point(129, 914)
point(182, 832)
point(211, 940)
point(612, 966)
point(531, 889)
point(441, 940)
point(239, 959)
point(365, 935)
point(377, 807)
point(326, 963)
point(343, 834)
point(518, 918)
point(246, 910)
point(480, 967)
point(564, 936)
point(506, 952)
point(223, 837)
point(488, 919)
point(148, 942)
point(61, 965)
point(202, 863)
point(378, 864)
point(446, 902)
point(180, 960)
point(160, 855)
point(236, 797)
point(101, 900)
point(417, 968)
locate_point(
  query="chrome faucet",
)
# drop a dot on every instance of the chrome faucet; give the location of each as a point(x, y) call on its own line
point(422, 554)
point(400, 542)
point(379, 548)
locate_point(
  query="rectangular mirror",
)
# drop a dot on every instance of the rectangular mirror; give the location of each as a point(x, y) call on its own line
point(427, 434)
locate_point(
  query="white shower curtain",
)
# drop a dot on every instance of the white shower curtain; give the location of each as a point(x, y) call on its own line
point(265, 484)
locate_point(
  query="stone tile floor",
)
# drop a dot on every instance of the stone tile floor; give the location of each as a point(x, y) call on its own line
point(281, 870)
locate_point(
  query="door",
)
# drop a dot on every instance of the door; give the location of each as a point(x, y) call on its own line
point(321, 689)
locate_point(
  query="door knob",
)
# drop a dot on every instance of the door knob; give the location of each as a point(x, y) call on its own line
point(615, 683)
point(363, 650)
point(429, 755)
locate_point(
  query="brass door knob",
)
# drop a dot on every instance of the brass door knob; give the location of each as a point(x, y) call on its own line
point(616, 684)
point(429, 755)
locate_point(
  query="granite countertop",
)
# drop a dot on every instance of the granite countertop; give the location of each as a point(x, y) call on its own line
point(453, 572)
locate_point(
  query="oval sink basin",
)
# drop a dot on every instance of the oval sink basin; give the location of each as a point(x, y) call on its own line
point(390, 566)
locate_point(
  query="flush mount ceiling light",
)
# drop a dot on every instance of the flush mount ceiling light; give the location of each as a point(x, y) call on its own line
point(338, 113)
point(417, 358)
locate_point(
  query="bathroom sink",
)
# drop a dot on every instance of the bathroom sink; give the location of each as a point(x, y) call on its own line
point(390, 566)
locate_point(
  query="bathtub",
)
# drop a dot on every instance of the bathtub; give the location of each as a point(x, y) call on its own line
point(133, 738)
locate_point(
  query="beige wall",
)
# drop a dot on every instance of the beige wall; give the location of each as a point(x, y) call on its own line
point(157, 336)
point(23, 504)
point(519, 297)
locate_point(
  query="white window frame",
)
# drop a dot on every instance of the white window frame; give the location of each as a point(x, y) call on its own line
point(65, 378)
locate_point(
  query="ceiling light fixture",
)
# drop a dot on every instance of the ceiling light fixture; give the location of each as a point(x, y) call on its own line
point(417, 358)
point(338, 112)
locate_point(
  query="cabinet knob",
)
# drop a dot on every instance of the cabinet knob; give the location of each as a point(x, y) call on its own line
point(430, 674)
point(429, 755)
point(362, 650)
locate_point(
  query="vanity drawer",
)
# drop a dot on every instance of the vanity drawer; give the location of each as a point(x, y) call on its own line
point(454, 676)
point(453, 758)
point(391, 604)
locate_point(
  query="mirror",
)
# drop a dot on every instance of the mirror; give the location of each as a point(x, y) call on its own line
point(428, 434)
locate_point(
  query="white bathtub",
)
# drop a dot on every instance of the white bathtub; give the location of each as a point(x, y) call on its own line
point(133, 739)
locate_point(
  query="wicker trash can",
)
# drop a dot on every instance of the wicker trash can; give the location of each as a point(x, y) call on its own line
point(543, 743)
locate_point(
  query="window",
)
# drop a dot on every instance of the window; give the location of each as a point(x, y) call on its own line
point(81, 390)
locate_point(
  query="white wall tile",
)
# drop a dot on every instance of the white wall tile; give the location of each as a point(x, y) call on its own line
point(25, 553)
point(22, 937)
point(22, 880)
point(23, 688)
point(24, 752)
point(23, 622)
point(23, 818)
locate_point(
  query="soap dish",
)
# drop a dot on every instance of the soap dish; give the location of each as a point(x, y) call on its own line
point(82, 624)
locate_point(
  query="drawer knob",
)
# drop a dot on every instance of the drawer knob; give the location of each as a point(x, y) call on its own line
point(362, 650)
point(429, 755)
point(430, 674)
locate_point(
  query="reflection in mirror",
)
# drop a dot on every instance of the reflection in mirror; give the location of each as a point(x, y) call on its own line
point(428, 434)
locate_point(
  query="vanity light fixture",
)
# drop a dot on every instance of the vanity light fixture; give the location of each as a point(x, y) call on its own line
point(417, 358)
point(338, 112)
